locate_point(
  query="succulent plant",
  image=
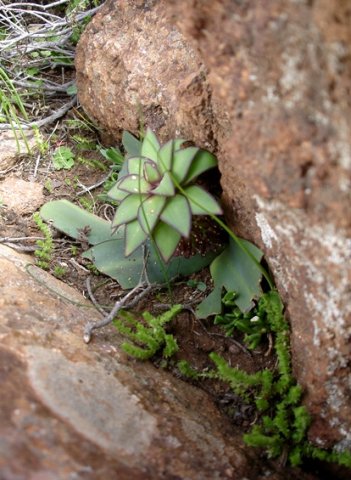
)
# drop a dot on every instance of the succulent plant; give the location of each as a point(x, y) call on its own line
point(157, 194)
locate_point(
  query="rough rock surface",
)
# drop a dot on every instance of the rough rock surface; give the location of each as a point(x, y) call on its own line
point(74, 411)
point(9, 151)
point(134, 67)
point(275, 95)
point(21, 196)
point(282, 72)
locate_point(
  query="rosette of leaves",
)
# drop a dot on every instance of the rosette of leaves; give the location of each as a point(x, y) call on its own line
point(157, 194)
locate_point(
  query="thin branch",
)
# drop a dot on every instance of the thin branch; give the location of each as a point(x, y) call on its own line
point(19, 247)
point(92, 187)
point(121, 303)
point(33, 27)
point(19, 239)
point(92, 297)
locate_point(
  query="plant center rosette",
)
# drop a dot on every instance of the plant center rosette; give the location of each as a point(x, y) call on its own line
point(157, 194)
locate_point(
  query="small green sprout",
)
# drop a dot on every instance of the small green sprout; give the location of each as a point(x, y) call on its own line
point(74, 250)
point(253, 324)
point(48, 185)
point(63, 158)
point(59, 271)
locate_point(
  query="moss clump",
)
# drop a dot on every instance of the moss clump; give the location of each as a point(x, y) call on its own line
point(45, 248)
point(148, 337)
point(284, 421)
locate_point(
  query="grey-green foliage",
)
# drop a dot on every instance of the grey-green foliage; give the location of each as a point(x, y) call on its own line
point(63, 158)
point(107, 251)
point(149, 336)
point(157, 194)
point(235, 271)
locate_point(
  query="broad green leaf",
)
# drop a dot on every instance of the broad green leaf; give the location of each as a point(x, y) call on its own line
point(75, 222)
point(135, 165)
point(166, 239)
point(32, 71)
point(151, 172)
point(181, 162)
point(116, 194)
point(150, 145)
point(108, 257)
point(133, 184)
point(131, 144)
point(128, 209)
point(108, 254)
point(235, 271)
point(165, 155)
point(165, 187)
point(149, 212)
point(201, 202)
point(134, 237)
point(177, 266)
point(203, 161)
point(211, 305)
point(177, 214)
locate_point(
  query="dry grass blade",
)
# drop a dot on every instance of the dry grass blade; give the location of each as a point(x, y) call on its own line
point(37, 47)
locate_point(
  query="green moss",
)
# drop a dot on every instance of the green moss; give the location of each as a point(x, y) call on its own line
point(43, 253)
point(284, 426)
point(342, 458)
point(186, 370)
point(283, 422)
point(148, 337)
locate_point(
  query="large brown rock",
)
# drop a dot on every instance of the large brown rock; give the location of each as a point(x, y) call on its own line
point(275, 97)
point(134, 67)
point(282, 72)
point(71, 410)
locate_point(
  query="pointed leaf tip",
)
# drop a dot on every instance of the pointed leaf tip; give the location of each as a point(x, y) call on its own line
point(166, 239)
point(128, 209)
point(133, 184)
point(165, 187)
point(131, 144)
point(203, 161)
point(182, 160)
point(165, 156)
point(201, 202)
point(177, 214)
point(151, 172)
point(149, 213)
point(134, 237)
point(150, 145)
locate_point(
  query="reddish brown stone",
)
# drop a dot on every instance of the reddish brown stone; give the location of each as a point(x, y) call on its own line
point(124, 77)
point(71, 410)
point(281, 71)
